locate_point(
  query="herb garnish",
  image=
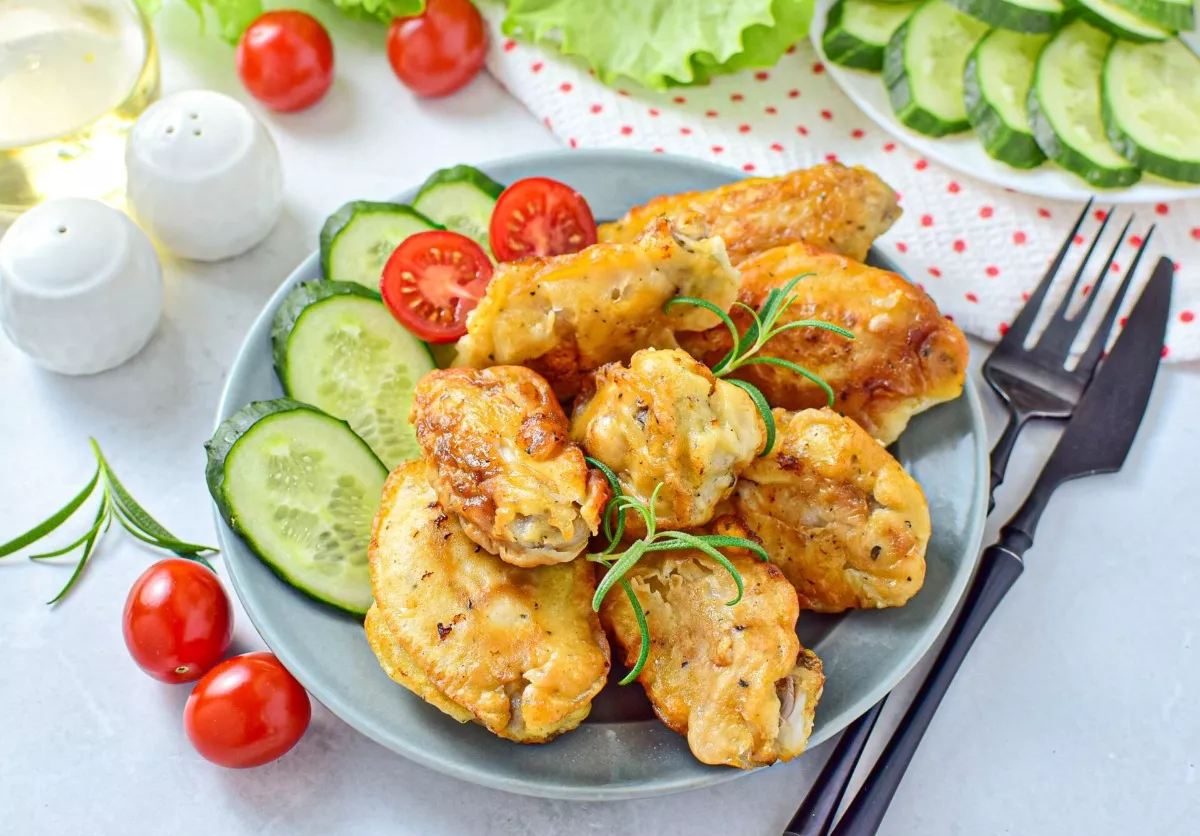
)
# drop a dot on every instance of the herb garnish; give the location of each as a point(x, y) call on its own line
point(618, 565)
point(763, 328)
point(115, 503)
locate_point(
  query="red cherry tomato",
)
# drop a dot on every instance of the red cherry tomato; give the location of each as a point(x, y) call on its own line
point(439, 50)
point(177, 621)
point(246, 711)
point(433, 280)
point(539, 216)
point(285, 60)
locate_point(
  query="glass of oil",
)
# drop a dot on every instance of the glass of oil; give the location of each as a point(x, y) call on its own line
point(74, 76)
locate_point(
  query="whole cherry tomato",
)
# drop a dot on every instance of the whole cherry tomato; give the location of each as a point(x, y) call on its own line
point(177, 620)
point(440, 50)
point(246, 711)
point(285, 60)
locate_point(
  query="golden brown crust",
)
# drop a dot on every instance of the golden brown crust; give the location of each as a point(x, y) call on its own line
point(567, 315)
point(520, 649)
point(838, 515)
point(905, 358)
point(838, 208)
point(499, 455)
point(721, 675)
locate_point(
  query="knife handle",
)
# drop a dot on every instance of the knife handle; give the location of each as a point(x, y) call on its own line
point(999, 569)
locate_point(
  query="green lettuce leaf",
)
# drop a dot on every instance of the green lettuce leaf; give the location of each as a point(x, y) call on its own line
point(663, 43)
point(233, 16)
point(382, 10)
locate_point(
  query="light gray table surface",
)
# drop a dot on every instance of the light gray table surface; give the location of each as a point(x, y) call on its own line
point(1078, 712)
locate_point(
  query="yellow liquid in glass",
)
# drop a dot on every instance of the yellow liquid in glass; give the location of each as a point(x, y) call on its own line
point(74, 76)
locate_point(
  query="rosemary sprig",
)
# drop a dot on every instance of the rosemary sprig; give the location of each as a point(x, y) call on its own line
point(762, 329)
point(115, 503)
point(618, 565)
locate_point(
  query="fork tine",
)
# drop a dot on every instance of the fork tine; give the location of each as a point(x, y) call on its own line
point(1020, 328)
point(1061, 331)
point(1090, 357)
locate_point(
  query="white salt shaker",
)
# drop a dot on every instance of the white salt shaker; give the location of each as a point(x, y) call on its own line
point(204, 175)
point(81, 288)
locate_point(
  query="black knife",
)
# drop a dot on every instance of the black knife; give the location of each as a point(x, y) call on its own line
point(1097, 440)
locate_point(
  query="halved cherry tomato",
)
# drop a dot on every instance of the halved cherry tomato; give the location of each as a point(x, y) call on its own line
point(539, 216)
point(285, 60)
point(177, 621)
point(440, 50)
point(433, 280)
point(246, 711)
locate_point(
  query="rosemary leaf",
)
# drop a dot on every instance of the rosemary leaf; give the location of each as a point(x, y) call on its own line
point(89, 548)
point(614, 537)
point(644, 627)
point(798, 369)
point(188, 551)
point(709, 306)
point(53, 522)
point(60, 552)
point(617, 572)
point(703, 544)
point(814, 323)
point(763, 407)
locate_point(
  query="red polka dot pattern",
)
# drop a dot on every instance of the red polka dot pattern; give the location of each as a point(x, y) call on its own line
point(982, 249)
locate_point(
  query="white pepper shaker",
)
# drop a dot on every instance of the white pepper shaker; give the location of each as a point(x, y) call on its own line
point(81, 287)
point(204, 175)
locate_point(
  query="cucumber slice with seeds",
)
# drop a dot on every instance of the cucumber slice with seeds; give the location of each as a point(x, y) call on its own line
point(301, 488)
point(998, 77)
point(1174, 15)
point(1118, 22)
point(857, 31)
point(1151, 107)
point(1064, 108)
point(462, 199)
point(359, 238)
point(1028, 16)
point(338, 348)
point(923, 68)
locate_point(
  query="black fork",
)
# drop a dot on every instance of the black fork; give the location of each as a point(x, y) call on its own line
point(1032, 383)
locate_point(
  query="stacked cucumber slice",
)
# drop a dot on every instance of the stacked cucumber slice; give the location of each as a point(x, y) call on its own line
point(1103, 88)
point(299, 478)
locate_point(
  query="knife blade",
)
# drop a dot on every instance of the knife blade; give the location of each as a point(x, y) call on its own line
point(1101, 432)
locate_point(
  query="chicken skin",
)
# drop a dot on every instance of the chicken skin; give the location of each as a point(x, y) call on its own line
point(518, 650)
point(905, 358)
point(830, 206)
point(666, 419)
point(839, 516)
point(567, 315)
point(497, 448)
point(734, 680)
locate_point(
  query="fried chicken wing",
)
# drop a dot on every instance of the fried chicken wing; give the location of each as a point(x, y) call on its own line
point(905, 358)
point(839, 516)
point(566, 315)
point(518, 649)
point(666, 419)
point(834, 207)
point(734, 680)
point(497, 446)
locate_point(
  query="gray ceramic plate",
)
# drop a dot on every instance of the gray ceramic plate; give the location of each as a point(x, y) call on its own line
point(622, 751)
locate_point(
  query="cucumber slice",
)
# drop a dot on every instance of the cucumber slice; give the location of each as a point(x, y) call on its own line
point(923, 68)
point(857, 31)
point(338, 348)
point(462, 199)
point(996, 87)
point(1064, 108)
point(359, 238)
point(1032, 17)
point(1174, 15)
point(1118, 22)
point(1151, 107)
point(301, 488)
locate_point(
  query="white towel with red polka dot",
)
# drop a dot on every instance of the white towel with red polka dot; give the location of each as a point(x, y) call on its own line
point(977, 249)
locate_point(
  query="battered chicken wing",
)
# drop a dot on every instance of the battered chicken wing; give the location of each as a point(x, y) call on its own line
point(839, 516)
point(733, 679)
point(520, 650)
point(667, 419)
point(838, 208)
point(566, 315)
point(905, 358)
point(498, 454)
